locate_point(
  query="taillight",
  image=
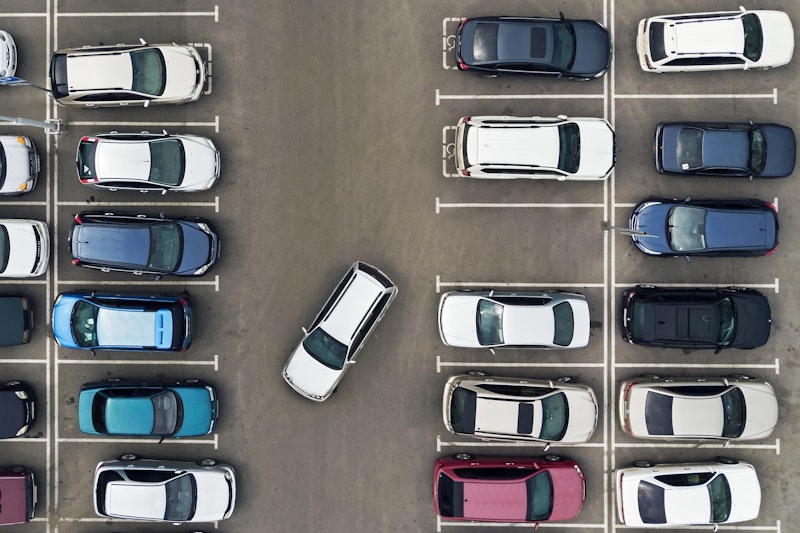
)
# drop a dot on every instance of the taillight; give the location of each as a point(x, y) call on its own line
point(462, 65)
point(628, 390)
point(182, 302)
point(771, 206)
point(89, 180)
point(76, 261)
point(89, 139)
point(772, 251)
point(463, 21)
point(78, 219)
point(465, 172)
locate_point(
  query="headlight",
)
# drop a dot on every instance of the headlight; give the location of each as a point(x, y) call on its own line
point(204, 227)
point(22, 430)
point(201, 270)
point(21, 394)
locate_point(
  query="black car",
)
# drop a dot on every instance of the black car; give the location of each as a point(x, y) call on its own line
point(533, 46)
point(17, 406)
point(724, 149)
point(144, 244)
point(695, 318)
point(721, 228)
point(16, 319)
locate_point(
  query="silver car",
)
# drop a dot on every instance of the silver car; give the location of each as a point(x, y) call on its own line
point(164, 491)
point(513, 409)
point(695, 408)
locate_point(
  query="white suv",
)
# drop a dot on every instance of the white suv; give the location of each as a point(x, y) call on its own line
point(534, 147)
point(725, 40)
point(333, 340)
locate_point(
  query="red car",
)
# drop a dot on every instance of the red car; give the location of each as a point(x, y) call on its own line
point(17, 495)
point(507, 489)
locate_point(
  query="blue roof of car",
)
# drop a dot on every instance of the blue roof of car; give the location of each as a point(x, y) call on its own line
point(739, 229)
point(726, 149)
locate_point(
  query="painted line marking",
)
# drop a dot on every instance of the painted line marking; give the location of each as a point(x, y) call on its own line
point(441, 205)
point(493, 284)
point(776, 527)
point(23, 281)
point(161, 125)
point(209, 77)
point(448, 152)
point(23, 15)
point(775, 286)
point(214, 441)
point(440, 97)
point(448, 42)
point(773, 95)
point(530, 525)
point(712, 445)
point(214, 14)
point(30, 203)
point(160, 362)
point(775, 366)
point(214, 204)
point(482, 444)
point(214, 283)
point(17, 440)
point(24, 361)
point(560, 364)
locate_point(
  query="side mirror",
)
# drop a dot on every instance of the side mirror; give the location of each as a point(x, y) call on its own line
point(141, 40)
point(305, 331)
point(492, 350)
point(147, 103)
point(688, 259)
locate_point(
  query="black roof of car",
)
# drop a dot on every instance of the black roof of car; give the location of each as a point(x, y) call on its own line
point(14, 320)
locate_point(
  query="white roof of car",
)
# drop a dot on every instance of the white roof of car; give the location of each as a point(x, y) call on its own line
point(353, 305)
point(100, 71)
point(716, 36)
point(124, 160)
point(136, 501)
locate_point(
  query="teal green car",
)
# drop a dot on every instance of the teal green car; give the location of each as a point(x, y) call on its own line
point(148, 409)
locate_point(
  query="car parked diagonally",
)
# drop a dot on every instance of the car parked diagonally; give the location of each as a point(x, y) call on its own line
point(695, 317)
point(730, 408)
point(332, 341)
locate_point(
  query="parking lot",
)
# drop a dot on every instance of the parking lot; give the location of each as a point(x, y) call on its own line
point(335, 122)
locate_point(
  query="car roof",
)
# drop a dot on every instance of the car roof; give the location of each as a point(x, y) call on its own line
point(695, 321)
point(136, 500)
point(493, 501)
point(99, 71)
point(534, 146)
point(115, 242)
point(129, 415)
point(134, 327)
point(354, 303)
point(715, 36)
point(123, 160)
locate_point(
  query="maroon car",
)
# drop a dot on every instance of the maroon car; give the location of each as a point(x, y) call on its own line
point(507, 489)
point(17, 495)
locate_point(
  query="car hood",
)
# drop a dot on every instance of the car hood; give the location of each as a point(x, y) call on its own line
point(213, 496)
point(569, 491)
point(593, 49)
point(781, 151)
point(201, 164)
point(745, 494)
point(582, 416)
point(753, 320)
point(778, 33)
point(62, 317)
point(457, 320)
point(198, 412)
point(198, 247)
point(597, 148)
point(18, 164)
point(182, 75)
point(761, 408)
point(310, 377)
point(23, 248)
point(651, 218)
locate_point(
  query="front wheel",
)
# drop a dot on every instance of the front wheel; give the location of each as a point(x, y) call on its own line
point(128, 457)
point(206, 462)
point(642, 464)
point(725, 460)
point(462, 456)
point(553, 458)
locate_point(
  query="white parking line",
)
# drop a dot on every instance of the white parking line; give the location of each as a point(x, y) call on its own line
point(773, 96)
point(23, 361)
point(26, 203)
point(547, 525)
point(440, 444)
point(160, 125)
point(448, 151)
point(23, 281)
point(559, 364)
point(774, 286)
point(214, 14)
point(441, 205)
point(776, 366)
point(776, 527)
point(22, 15)
point(158, 362)
point(214, 283)
point(706, 445)
point(89, 440)
point(538, 96)
point(494, 284)
point(214, 204)
point(448, 42)
point(43, 439)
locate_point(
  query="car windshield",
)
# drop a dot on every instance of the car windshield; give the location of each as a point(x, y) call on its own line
point(651, 503)
point(165, 247)
point(727, 323)
point(84, 324)
point(758, 150)
point(149, 71)
point(86, 159)
point(463, 405)
point(686, 228)
point(325, 349)
point(753, 38)
point(564, 324)
point(490, 323)
point(563, 46)
point(540, 497)
point(719, 492)
point(735, 411)
point(181, 498)
point(167, 161)
point(5, 248)
point(166, 410)
point(569, 151)
point(3, 165)
point(690, 148)
point(555, 417)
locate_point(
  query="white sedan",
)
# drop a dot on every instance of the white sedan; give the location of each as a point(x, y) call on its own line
point(721, 492)
point(490, 319)
point(24, 248)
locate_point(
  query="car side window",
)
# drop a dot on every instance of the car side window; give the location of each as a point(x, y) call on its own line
point(519, 300)
point(700, 390)
point(494, 473)
point(149, 476)
point(337, 292)
point(369, 323)
point(518, 67)
point(516, 390)
point(685, 480)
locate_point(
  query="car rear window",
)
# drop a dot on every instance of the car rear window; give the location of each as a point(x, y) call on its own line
point(451, 497)
point(656, 34)
point(658, 414)
point(3, 166)
point(485, 42)
point(651, 503)
point(58, 76)
point(5, 248)
point(86, 159)
point(462, 410)
point(540, 497)
point(569, 152)
point(564, 324)
point(753, 37)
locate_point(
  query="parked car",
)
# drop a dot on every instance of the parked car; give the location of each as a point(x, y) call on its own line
point(19, 163)
point(721, 492)
point(332, 342)
point(24, 248)
point(16, 319)
point(534, 147)
point(513, 409)
point(165, 491)
point(724, 149)
point(533, 46)
point(19, 495)
point(494, 319)
point(144, 244)
point(127, 75)
point(695, 317)
point(507, 489)
point(704, 408)
point(689, 227)
point(722, 40)
point(142, 323)
point(8, 54)
point(17, 403)
point(147, 162)
point(148, 408)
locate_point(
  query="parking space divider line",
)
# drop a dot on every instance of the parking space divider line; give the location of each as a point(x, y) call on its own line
point(137, 441)
point(773, 96)
point(538, 96)
point(161, 362)
point(214, 204)
point(775, 366)
point(24, 361)
point(214, 14)
point(191, 283)
point(162, 125)
point(708, 445)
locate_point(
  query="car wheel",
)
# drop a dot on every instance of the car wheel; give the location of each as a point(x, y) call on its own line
point(553, 458)
point(113, 380)
point(128, 457)
point(478, 373)
point(11, 383)
point(191, 381)
point(725, 460)
point(741, 377)
point(17, 469)
point(645, 286)
point(566, 379)
point(207, 462)
point(462, 456)
point(642, 464)
point(651, 376)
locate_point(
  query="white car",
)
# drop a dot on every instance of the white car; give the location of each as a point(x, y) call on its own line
point(164, 491)
point(724, 40)
point(513, 409)
point(491, 319)
point(721, 492)
point(147, 162)
point(332, 342)
point(127, 75)
point(19, 164)
point(8, 54)
point(24, 248)
point(727, 408)
point(558, 148)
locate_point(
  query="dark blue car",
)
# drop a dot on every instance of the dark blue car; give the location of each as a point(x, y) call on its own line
point(724, 149)
point(144, 244)
point(148, 409)
point(92, 321)
point(705, 227)
point(533, 46)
